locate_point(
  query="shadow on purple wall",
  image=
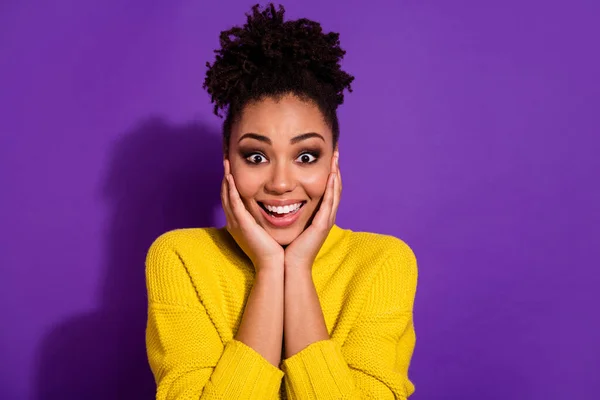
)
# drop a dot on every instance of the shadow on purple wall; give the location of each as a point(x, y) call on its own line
point(160, 177)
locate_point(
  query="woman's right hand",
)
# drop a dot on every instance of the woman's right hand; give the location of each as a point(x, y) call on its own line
point(259, 246)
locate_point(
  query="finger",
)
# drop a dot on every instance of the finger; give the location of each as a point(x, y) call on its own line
point(324, 213)
point(337, 167)
point(336, 198)
point(233, 196)
point(225, 200)
point(332, 166)
point(237, 206)
point(224, 186)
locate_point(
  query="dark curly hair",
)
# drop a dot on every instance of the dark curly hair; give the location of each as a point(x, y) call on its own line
point(268, 57)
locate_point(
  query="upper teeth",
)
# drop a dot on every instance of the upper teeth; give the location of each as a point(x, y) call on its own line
point(284, 209)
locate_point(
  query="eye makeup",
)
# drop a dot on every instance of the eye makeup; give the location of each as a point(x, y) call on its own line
point(316, 153)
point(248, 154)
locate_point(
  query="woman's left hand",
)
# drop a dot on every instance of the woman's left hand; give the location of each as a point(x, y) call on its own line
point(301, 253)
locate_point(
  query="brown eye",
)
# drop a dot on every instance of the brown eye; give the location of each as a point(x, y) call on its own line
point(256, 158)
point(307, 158)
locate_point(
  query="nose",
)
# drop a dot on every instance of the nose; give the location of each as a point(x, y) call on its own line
point(280, 180)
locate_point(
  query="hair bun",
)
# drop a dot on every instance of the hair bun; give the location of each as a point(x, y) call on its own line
point(267, 46)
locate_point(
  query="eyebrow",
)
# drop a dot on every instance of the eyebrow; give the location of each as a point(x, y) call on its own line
point(294, 140)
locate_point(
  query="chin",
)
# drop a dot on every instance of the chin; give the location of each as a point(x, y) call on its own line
point(284, 236)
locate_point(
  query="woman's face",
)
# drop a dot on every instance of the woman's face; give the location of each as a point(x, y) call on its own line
point(280, 154)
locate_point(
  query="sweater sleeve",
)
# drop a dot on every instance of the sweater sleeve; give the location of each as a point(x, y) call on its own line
point(373, 361)
point(186, 354)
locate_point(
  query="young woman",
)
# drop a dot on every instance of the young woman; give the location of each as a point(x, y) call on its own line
point(280, 303)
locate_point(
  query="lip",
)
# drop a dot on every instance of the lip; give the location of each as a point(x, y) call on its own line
point(282, 222)
point(280, 203)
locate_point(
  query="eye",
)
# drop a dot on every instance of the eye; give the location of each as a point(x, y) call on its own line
point(255, 158)
point(307, 158)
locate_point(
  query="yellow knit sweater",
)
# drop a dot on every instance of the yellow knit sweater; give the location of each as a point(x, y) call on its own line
point(198, 282)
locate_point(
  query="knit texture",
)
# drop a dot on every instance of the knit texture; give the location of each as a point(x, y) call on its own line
point(198, 281)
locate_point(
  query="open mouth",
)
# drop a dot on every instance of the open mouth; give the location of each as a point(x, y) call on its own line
point(281, 212)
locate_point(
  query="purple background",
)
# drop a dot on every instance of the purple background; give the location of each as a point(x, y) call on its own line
point(472, 134)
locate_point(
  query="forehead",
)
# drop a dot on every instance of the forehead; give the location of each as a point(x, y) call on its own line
point(281, 119)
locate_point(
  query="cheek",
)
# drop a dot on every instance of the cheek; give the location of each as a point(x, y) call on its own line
point(315, 184)
point(246, 182)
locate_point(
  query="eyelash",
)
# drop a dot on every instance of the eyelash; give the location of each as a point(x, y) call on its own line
point(315, 154)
